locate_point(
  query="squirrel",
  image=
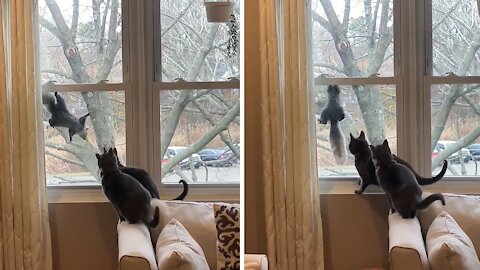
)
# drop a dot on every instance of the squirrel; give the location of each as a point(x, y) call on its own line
point(334, 113)
point(62, 117)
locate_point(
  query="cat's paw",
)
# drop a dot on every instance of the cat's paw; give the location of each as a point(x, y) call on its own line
point(358, 191)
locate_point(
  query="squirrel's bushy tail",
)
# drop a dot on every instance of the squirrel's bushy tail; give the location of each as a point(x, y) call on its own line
point(337, 143)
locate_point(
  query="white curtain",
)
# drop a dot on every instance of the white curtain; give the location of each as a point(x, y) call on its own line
point(294, 228)
point(24, 229)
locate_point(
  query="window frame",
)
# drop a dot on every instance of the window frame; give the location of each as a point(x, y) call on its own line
point(102, 86)
point(157, 86)
point(412, 41)
point(141, 91)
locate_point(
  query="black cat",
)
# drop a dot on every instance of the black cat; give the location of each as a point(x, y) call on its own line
point(363, 162)
point(129, 198)
point(62, 117)
point(399, 183)
point(144, 178)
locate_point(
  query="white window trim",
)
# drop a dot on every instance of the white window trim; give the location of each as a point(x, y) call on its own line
point(411, 65)
point(140, 93)
point(157, 85)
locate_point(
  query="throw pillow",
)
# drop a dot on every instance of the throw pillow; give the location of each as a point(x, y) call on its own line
point(448, 247)
point(197, 218)
point(227, 220)
point(177, 250)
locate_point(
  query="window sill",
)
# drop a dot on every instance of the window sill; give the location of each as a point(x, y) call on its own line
point(470, 186)
point(94, 194)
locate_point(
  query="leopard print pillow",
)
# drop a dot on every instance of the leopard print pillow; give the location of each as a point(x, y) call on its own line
point(227, 221)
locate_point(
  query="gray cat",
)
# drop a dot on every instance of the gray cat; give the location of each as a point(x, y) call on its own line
point(399, 183)
point(359, 147)
point(129, 198)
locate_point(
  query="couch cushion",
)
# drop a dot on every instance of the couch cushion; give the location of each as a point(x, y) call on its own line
point(134, 248)
point(227, 219)
point(464, 209)
point(177, 250)
point(197, 218)
point(407, 249)
point(448, 247)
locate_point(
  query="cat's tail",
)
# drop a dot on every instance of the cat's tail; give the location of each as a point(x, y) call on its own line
point(185, 191)
point(430, 199)
point(428, 181)
point(156, 218)
point(337, 143)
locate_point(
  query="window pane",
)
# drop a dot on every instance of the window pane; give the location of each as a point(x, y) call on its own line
point(456, 128)
point(360, 46)
point(80, 43)
point(195, 120)
point(192, 48)
point(455, 27)
point(74, 163)
point(376, 117)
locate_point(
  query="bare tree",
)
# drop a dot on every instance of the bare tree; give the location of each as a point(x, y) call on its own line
point(363, 47)
point(92, 51)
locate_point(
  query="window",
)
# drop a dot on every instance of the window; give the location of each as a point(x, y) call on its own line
point(452, 82)
point(197, 95)
point(419, 91)
point(160, 96)
point(82, 60)
point(353, 47)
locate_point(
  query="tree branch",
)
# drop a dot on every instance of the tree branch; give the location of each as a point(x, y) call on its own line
point(176, 20)
point(320, 20)
point(204, 140)
point(74, 19)
point(181, 103)
point(59, 20)
point(223, 136)
point(64, 159)
point(59, 73)
point(50, 27)
point(455, 147)
point(346, 15)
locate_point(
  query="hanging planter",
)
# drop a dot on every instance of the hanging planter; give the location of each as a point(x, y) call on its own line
point(218, 12)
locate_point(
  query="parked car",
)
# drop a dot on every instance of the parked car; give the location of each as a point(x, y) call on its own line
point(442, 145)
point(185, 163)
point(475, 150)
point(215, 157)
point(230, 155)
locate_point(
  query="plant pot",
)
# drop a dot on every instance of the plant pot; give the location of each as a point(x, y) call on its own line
point(218, 12)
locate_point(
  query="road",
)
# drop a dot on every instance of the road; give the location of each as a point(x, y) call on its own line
point(209, 174)
point(472, 168)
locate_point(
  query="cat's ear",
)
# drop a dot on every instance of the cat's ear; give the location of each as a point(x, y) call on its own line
point(115, 151)
point(110, 151)
point(104, 150)
point(351, 136)
point(98, 156)
point(385, 142)
point(362, 135)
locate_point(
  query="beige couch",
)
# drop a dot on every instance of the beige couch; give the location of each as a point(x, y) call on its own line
point(136, 244)
point(406, 237)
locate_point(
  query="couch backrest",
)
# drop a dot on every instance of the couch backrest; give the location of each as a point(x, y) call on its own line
point(197, 218)
point(464, 209)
